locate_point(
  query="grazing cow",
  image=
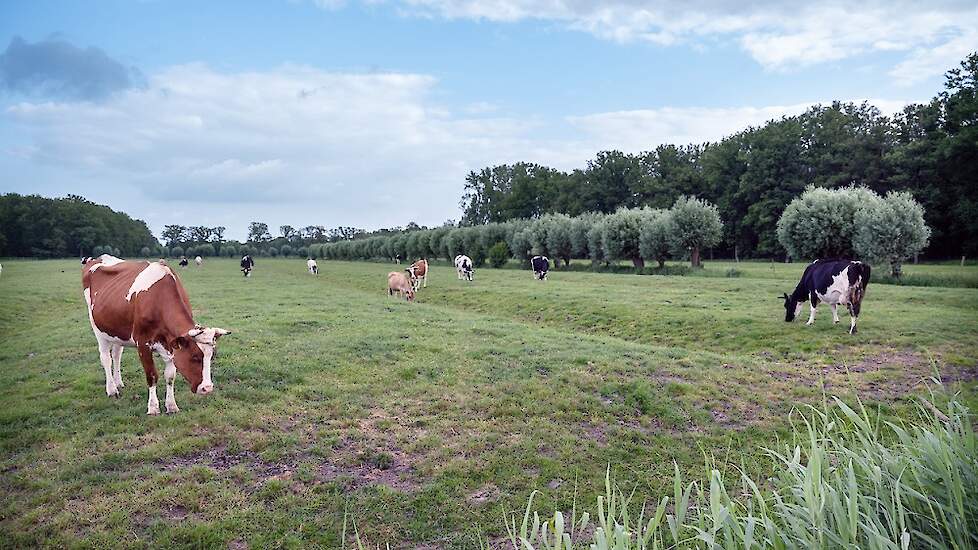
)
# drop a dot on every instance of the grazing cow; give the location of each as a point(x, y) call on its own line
point(418, 272)
point(143, 305)
point(463, 265)
point(199, 261)
point(183, 261)
point(312, 266)
point(247, 264)
point(399, 282)
point(833, 282)
point(541, 265)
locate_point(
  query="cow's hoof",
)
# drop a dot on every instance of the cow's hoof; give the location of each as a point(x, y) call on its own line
point(113, 392)
point(153, 412)
point(172, 410)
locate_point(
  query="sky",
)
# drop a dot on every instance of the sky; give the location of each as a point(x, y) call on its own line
point(371, 113)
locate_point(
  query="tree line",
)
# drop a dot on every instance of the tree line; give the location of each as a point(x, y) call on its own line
point(929, 150)
point(851, 222)
point(31, 225)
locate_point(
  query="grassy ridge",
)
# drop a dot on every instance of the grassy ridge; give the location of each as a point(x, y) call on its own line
point(428, 418)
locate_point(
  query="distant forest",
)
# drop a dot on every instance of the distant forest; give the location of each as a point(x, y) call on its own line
point(930, 150)
point(31, 225)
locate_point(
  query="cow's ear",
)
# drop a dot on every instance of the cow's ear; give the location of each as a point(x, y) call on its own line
point(179, 342)
point(218, 332)
point(785, 295)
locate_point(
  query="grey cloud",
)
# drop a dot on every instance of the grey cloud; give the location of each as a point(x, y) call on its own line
point(55, 68)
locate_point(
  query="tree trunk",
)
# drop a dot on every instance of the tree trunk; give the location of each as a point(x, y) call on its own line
point(638, 262)
point(694, 258)
point(737, 253)
point(662, 263)
point(896, 269)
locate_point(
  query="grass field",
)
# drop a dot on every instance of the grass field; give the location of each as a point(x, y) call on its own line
point(422, 422)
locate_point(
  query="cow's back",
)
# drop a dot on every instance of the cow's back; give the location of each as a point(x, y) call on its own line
point(105, 287)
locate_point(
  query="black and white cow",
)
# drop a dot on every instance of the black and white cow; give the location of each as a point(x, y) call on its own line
point(541, 265)
point(833, 282)
point(463, 266)
point(247, 264)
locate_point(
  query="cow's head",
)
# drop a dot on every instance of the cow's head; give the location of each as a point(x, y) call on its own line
point(792, 308)
point(193, 353)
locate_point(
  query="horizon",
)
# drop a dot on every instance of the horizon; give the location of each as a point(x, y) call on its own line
point(371, 115)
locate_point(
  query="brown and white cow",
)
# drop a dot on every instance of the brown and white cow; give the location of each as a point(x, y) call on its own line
point(398, 282)
point(419, 273)
point(143, 305)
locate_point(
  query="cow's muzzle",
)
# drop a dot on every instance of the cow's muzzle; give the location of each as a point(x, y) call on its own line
point(205, 389)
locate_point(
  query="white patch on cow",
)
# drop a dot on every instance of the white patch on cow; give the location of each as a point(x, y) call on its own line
point(311, 265)
point(835, 312)
point(811, 316)
point(798, 307)
point(148, 277)
point(852, 324)
point(206, 385)
point(838, 291)
point(198, 260)
point(106, 260)
point(153, 405)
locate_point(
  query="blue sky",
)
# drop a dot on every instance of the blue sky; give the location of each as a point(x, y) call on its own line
point(370, 113)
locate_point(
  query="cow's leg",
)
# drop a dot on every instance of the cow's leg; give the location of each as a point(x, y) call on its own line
point(854, 307)
point(117, 366)
point(835, 313)
point(426, 279)
point(811, 316)
point(149, 367)
point(170, 374)
point(105, 356)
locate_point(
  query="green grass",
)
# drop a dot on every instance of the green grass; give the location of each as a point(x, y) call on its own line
point(423, 422)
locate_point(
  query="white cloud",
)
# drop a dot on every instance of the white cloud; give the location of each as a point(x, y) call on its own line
point(357, 149)
point(779, 35)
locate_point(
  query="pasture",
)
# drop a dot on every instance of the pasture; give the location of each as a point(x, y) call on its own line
point(423, 422)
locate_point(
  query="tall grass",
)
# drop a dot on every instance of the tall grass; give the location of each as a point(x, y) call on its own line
point(848, 479)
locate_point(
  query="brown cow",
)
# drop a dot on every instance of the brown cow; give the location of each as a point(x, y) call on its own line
point(419, 273)
point(143, 305)
point(398, 282)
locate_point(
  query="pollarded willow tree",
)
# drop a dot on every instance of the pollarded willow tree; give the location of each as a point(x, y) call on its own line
point(620, 234)
point(890, 229)
point(854, 222)
point(821, 222)
point(655, 237)
point(694, 225)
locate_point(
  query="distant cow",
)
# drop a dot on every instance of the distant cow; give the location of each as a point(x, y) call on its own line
point(540, 265)
point(833, 282)
point(183, 261)
point(199, 261)
point(247, 264)
point(463, 265)
point(399, 282)
point(312, 266)
point(143, 305)
point(418, 272)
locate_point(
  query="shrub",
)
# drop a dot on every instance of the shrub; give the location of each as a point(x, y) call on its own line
point(145, 252)
point(848, 479)
point(271, 251)
point(285, 250)
point(498, 255)
point(303, 252)
point(695, 225)
point(229, 251)
point(176, 251)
